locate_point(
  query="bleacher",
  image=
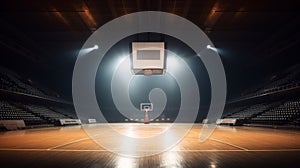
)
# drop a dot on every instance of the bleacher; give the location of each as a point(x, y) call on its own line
point(69, 112)
point(228, 111)
point(46, 113)
point(7, 84)
point(282, 114)
point(23, 100)
point(249, 112)
point(26, 88)
point(271, 113)
point(11, 112)
point(12, 82)
point(288, 79)
point(272, 102)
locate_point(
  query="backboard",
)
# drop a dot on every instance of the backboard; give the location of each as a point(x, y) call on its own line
point(148, 58)
point(146, 106)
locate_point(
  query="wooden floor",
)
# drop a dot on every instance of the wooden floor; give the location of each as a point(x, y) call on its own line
point(227, 147)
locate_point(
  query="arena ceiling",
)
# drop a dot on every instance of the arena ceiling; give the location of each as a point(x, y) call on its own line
point(251, 34)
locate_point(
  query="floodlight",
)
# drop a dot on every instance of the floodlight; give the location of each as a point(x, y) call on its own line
point(96, 47)
point(212, 48)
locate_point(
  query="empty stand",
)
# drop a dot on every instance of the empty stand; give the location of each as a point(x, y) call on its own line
point(283, 114)
point(249, 112)
point(22, 108)
point(46, 113)
point(271, 113)
point(11, 112)
point(12, 82)
point(69, 112)
point(289, 79)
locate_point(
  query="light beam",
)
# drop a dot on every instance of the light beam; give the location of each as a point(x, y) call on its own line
point(212, 48)
point(87, 50)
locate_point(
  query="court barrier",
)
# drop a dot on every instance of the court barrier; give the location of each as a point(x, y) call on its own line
point(227, 121)
point(13, 124)
point(92, 121)
point(69, 121)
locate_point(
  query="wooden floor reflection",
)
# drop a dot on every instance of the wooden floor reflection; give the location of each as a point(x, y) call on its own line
point(227, 147)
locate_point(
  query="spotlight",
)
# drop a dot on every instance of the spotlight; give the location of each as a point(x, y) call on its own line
point(211, 48)
point(87, 50)
point(95, 47)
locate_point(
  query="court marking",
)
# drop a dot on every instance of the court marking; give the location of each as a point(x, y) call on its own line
point(68, 143)
point(230, 144)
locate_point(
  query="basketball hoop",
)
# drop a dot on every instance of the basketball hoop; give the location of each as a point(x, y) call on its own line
point(146, 107)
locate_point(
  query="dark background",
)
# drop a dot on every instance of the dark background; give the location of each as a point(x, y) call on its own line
point(41, 39)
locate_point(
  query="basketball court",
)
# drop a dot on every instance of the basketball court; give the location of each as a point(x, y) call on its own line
point(156, 83)
point(227, 147)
